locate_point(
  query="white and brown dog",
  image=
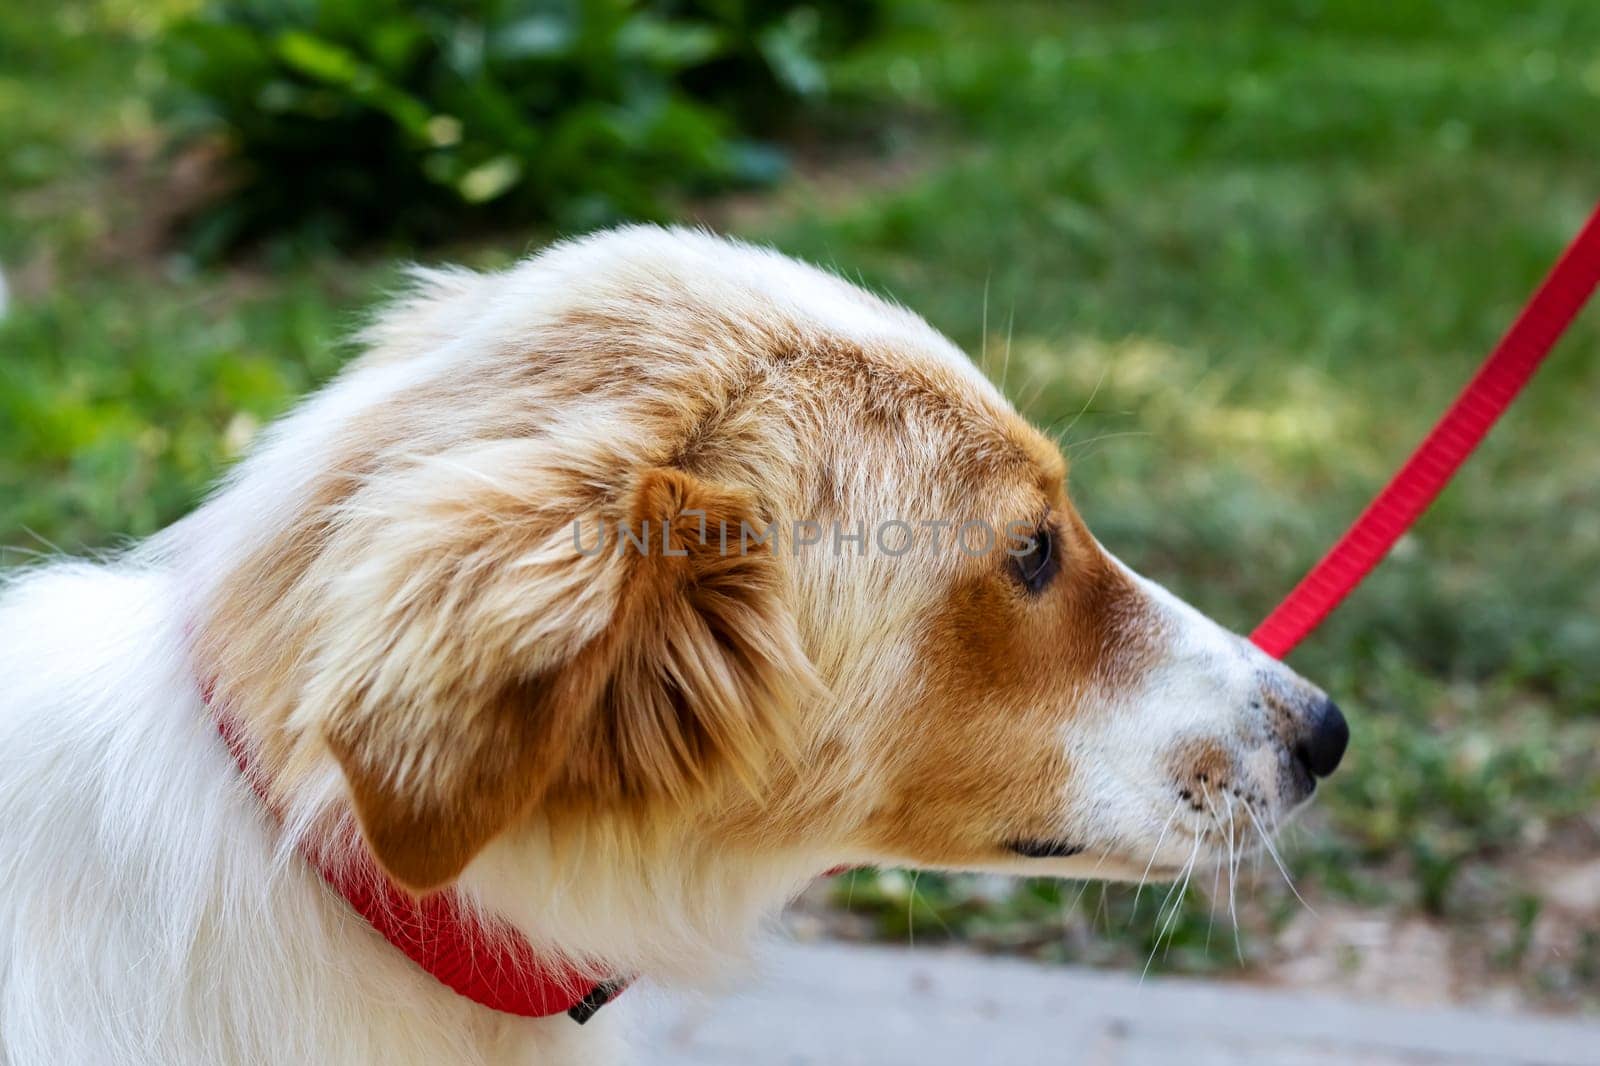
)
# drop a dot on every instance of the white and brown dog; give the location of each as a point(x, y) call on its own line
point(615, 595)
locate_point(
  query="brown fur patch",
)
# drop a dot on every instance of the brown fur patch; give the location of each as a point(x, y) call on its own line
point(707, 666)
point(692, 677)
point(982, 760)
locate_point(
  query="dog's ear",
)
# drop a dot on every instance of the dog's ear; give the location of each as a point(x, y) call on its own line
point(487, 655)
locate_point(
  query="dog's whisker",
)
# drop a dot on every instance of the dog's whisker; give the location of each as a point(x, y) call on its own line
point(937, 917)
point(1234, 856)
point(1272, 850)
point(1005, 367)
point(29, 553)
point(1182, 898)
point(1101, 380)
point(1108, 436)
point(1177, 883)
point(1088, 880)
point(1211, 917)
point(911, 911)
point(1032, 389)
point(1182, 887)
point(1154, 852)
point(1171, 905)
point(983, 339)
point(1216, 879)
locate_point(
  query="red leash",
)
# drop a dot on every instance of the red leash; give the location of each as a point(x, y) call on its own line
point(1554, 305)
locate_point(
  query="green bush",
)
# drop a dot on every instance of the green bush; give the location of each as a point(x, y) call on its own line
point(356, 118)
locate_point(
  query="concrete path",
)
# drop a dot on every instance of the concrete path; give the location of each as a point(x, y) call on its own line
point(832, 1005)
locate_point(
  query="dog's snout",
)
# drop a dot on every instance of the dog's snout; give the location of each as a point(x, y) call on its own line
point(1327, 735)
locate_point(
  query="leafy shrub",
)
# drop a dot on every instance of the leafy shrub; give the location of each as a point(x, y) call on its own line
point(364, 117)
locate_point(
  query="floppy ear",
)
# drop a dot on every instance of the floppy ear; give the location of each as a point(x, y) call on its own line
point(479, 659)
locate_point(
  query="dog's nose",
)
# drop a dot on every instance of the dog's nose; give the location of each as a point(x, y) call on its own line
point(1327, 734)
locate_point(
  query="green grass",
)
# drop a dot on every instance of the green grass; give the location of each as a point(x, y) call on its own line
point(1239, 254)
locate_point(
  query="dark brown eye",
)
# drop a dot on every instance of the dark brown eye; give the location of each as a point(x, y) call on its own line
point(1034, 562)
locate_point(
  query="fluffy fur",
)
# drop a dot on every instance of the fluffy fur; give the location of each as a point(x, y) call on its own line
point(632, 756)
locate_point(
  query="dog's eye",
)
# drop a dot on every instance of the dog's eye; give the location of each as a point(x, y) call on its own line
point(1036, 564)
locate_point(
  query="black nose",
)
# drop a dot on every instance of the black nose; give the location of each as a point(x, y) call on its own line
point(1327, 734)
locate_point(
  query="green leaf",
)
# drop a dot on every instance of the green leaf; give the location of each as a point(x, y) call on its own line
point(790, 48)
point(334, 65)
point(667, 45)
point(488, 180)
point(534, 37)
point(317, 58)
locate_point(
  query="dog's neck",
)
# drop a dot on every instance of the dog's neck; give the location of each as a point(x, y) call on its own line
point(673, 905)
point(677, 905)
point(486, 961)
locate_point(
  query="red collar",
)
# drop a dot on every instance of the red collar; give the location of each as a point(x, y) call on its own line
point(491, 965)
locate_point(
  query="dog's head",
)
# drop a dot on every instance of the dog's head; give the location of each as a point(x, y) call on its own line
point(657, 529)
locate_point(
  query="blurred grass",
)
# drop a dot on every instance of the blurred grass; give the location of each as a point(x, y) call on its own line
point(1238, 254)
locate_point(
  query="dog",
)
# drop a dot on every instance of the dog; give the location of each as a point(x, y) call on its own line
point(612, 598)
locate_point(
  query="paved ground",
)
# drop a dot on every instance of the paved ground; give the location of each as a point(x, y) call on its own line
point(849, 1006)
